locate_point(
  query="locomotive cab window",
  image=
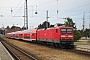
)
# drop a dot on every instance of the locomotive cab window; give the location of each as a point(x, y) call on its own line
point(69, 30)
point(63, 30)
point(56, 30)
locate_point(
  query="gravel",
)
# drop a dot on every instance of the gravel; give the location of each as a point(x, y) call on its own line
point(46, 53)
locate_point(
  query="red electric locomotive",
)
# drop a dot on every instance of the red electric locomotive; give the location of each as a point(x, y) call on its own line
point(61, 36)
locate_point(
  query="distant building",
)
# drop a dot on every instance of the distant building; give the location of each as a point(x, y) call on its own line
point(8, 30)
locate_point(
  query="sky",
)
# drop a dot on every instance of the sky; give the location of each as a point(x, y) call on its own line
point(74, 9)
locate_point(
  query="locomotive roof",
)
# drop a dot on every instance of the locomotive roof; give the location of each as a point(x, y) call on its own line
point(56, 27)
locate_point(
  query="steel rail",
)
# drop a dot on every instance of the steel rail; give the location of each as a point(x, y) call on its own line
point(11, 52)
point(19, 49)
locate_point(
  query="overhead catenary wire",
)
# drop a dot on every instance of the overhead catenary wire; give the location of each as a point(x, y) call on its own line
point(29, 6)
point(14, 14)
point(67, 10)
point(15, 7)
point(18, 4)
point(44, 3)
point(73, 9)
point(12, 11)
point(57, 6)
point(21, 7)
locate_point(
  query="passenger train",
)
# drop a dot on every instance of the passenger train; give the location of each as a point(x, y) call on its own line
point(58, 36)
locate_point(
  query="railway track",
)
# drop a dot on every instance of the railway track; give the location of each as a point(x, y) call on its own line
point(77, 52)
point(17, 52)
point(80, 52)
point(74, 50)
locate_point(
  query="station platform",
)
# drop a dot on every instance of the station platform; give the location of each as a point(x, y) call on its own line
point(4, 54)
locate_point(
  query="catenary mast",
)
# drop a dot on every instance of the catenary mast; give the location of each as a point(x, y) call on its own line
point(26, 15)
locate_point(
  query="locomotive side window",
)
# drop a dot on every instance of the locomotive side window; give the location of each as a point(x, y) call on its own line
point(56, 30)
point(32, 34)
point(63, 30)
point(69, 30)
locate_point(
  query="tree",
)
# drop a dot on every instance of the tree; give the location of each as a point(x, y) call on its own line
point(70, 22)
point(51, 25)
point(1, 31)
point(14, 27)
point(23, 28)
point(85, 33)
point(7, 27)
point(77, 35)
point(44, 25)
point(40, 26)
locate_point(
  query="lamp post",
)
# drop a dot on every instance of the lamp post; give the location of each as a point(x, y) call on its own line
point(3, 29)
point(47, 20)
point(89, 26)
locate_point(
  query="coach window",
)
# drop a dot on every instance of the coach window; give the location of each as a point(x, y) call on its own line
point(56, 30)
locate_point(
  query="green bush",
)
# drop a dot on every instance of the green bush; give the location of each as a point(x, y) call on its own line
point(77, 35)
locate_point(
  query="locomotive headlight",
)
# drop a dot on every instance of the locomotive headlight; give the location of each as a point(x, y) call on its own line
point(70, 36)
point(63, 36)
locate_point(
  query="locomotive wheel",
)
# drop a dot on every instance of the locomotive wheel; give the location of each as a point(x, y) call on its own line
point(56, 44)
